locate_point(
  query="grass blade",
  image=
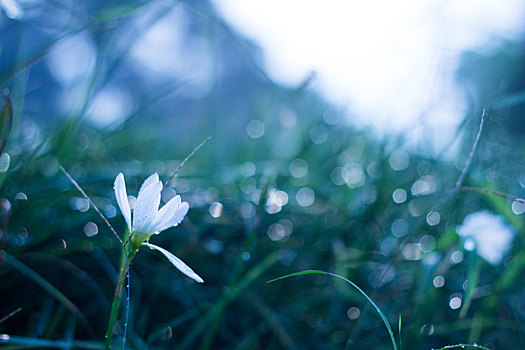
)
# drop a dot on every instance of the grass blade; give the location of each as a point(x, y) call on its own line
point(45, 343)
point(11, 314)
point(399, 331)
point(48, 287)
point(463, 346)
point(381, 314)
point(6, 121)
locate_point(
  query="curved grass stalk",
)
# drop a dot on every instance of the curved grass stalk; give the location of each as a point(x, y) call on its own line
point(381, 314)
point(463, 346)
point(47, 286)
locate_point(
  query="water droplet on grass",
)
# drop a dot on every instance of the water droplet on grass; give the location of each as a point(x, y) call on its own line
point(399, 160)
point(354, 313)
point(5, 160)
point(433, 218)
point(216, 209)
point(439, 281)
point(298, 168)
point(455, 302)
point(305, 197)
point(399, 195)
point(255, 129)
point(90, 229)
point(20, 196)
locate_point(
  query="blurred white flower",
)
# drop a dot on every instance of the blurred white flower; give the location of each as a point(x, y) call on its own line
point(11, 8)
point(491, 235)
point(149, 220)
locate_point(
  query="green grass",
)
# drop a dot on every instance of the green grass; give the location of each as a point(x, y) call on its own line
point(381, 314)
point(58, 283)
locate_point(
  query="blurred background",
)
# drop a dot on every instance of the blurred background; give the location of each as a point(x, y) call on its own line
point(338, 135)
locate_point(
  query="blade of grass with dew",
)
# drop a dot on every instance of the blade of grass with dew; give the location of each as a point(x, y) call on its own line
point(48, 287)
point(6, 121)
point(381, 314)
point(11, 314)
point(399, 331)
point(463, 346)
point(26, 343)
point(126, 322)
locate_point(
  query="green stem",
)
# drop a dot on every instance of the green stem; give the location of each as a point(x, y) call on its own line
point(117, 297)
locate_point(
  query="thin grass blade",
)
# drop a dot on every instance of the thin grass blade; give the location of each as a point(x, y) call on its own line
point(381, 314)
point(6, 121)
point(48, 287)
point(463, 346)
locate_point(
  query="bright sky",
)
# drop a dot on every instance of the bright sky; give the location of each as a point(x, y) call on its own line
point(389, 62)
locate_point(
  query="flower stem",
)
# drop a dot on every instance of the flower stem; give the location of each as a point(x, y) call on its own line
point(117, 297)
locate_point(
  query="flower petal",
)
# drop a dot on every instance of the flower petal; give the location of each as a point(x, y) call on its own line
point(174, 219)
point(122, 198)
point(165, 214)
point(146, 207)
point(150, 180)
point(185, 269)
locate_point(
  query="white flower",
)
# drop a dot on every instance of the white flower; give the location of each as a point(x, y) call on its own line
point(149, 220)
point(491, 236)
point(11, 8)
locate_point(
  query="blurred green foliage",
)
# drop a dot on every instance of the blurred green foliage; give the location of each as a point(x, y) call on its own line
point(304, 191)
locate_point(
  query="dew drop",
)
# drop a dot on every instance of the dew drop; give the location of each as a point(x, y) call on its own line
point(276, 232)
point(255, 129)
point(433, 218)
point(518, 207)
point(216, 209)
point(354, 313)
point(439, 281)
point(427, 329)
point(456, 257)
point(90, 229)
point(455, 301)
point(20, 196)
point(399, 160)
point(305, 197)
point(298, 168)
point(5, 160)
point(399, 195)
point(399, 228)
point(319, 134)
